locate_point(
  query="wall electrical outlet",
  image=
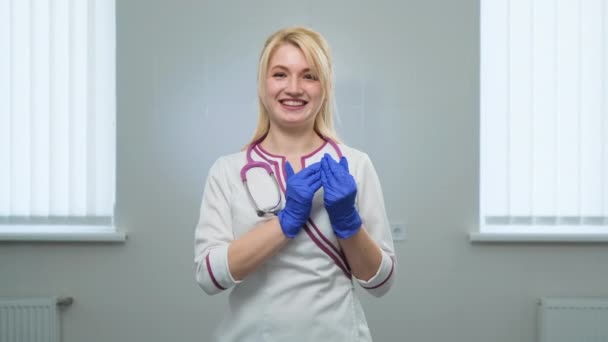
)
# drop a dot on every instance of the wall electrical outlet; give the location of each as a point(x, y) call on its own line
point(398, 230)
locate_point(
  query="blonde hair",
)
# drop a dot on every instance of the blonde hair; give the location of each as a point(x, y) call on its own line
point(316, 51)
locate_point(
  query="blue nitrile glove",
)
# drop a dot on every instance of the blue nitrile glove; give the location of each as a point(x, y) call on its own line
point(339, 198)
point(301, 188)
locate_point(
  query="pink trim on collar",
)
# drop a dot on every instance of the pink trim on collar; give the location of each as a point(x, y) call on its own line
point(280, 175)
point(304, 157)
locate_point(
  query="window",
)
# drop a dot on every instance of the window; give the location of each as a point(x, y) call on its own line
point(544, 117)
point(57, 119)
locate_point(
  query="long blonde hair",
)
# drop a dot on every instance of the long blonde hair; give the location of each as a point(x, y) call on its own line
point(316, 51)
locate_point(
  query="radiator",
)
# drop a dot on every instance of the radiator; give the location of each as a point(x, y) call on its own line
point(31, 319)
point(573, 320)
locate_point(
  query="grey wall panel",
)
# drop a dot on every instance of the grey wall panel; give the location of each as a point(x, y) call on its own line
point(407, 93)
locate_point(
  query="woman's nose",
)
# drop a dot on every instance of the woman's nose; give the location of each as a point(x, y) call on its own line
point(294, 87)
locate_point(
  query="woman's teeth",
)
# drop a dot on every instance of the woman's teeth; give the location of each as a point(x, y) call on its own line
point(293, 103)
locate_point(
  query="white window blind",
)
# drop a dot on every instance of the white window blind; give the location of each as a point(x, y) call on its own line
point(544, 125)
point(57, 115)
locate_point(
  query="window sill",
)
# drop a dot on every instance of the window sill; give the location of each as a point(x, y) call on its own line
point(486, 237)
point(61, 234)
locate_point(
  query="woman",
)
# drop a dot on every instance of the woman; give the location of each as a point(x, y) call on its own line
point(291, 222)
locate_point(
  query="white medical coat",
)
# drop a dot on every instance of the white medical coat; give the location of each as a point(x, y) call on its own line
point(306, 291)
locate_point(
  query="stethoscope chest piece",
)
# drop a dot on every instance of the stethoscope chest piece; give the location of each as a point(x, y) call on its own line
point(270, 196)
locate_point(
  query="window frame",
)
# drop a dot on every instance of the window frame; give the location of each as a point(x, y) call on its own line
point(96, 61)
point(535, 229)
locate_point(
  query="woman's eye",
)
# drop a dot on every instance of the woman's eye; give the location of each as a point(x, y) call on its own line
point(278, 74)
point(310, 77)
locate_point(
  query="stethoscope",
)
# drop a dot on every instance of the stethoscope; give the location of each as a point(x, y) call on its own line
point(274, 209)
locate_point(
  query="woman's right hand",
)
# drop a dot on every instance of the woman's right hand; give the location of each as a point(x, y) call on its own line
point(301, 188)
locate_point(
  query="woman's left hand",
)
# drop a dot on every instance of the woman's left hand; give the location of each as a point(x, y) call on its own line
point(340, 191)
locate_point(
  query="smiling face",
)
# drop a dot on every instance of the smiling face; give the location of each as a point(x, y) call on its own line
point(293, 93)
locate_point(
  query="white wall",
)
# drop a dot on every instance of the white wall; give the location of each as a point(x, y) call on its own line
point(407, 85)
